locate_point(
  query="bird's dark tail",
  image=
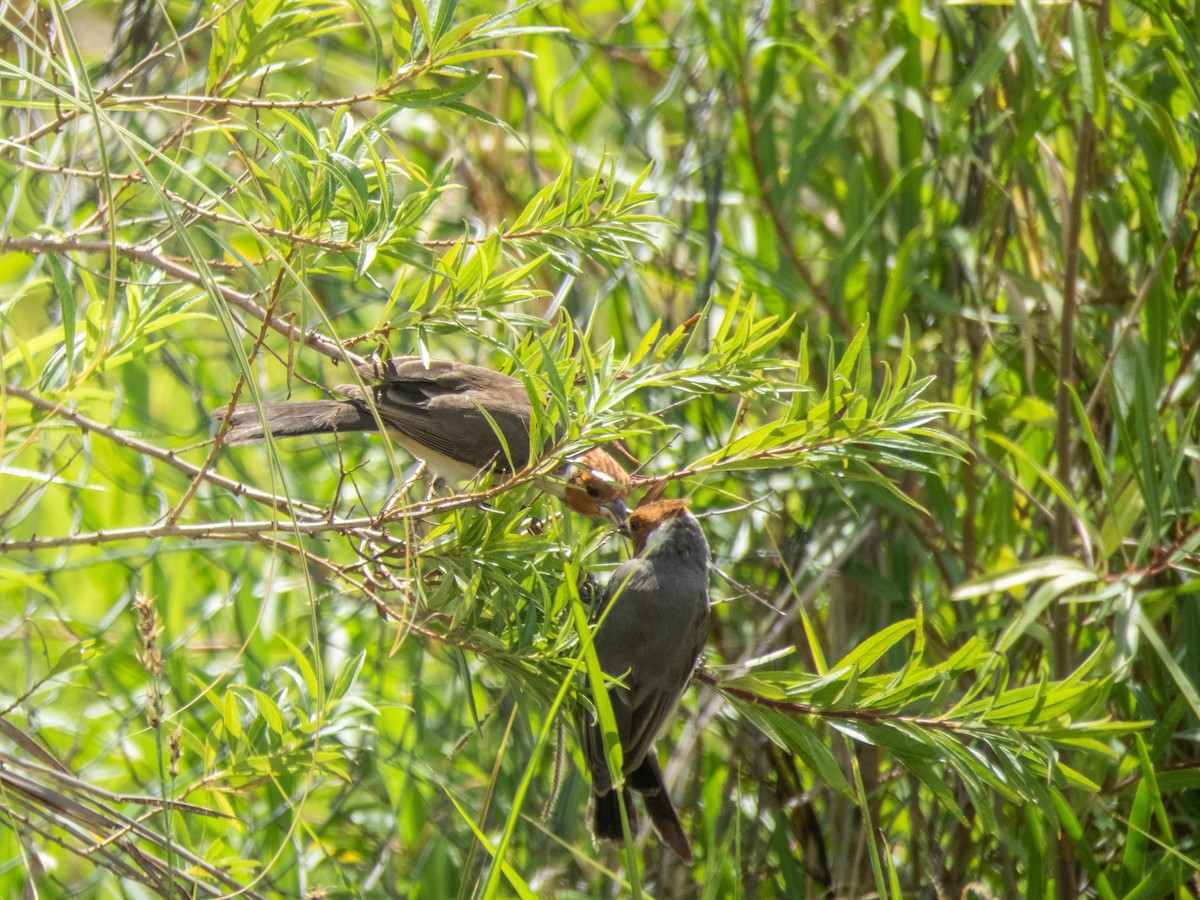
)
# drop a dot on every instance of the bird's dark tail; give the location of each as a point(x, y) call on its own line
point(647, 780)
point(606, 817)
point(295, 418)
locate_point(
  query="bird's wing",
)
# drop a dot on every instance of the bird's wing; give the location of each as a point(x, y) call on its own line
point(653, 664)
point(638, 724)
point(592, 744)
point(590, 737)
point(443, 406)
point(644, 723)
point(624, 577)
point(446, 374)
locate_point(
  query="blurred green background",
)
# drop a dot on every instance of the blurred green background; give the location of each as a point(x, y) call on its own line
point(903, 297)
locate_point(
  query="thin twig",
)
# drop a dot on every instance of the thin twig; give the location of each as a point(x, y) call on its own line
point(1063, 441)
point(214, 531)
point(855, 715)
point(242, 301)
point(168, 457)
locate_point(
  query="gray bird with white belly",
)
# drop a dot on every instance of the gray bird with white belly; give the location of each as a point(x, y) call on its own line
point(653, 624)
point(453, 416)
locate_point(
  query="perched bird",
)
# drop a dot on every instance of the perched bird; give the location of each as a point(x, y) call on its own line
point(653, 623)
point(460, 419)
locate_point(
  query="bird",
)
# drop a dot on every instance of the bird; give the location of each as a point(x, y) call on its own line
point(653, 621)
point(460, 419)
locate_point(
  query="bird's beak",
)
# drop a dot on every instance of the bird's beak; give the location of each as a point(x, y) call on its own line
point(616, 512)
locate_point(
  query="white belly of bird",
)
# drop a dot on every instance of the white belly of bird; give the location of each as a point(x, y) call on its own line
point(452, 470)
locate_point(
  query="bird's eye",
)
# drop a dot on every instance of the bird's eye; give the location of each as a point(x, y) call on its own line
point(593, 491)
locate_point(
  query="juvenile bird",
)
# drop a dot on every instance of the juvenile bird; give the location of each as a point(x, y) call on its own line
point(448, 414)
point(653, 623)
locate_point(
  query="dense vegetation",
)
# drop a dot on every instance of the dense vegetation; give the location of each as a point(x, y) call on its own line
point(903, 297)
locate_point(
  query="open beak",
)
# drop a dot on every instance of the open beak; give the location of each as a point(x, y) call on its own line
point(616, 512)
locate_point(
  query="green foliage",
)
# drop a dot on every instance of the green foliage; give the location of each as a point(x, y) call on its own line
point(903, 298)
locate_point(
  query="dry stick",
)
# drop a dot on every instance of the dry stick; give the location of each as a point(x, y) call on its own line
point(854, 715)
point(1066, 368)
point(237, 488)
point(194, 208)
point(1064, 857)
point(105, 818)
point(206, 102)
point(369, 527)
point(782, 234)
point(73, 172)
point(206, 466)
point(263, 229)
point(245, 302)
point(1131, 318)
point(66, 118)
point(211, 531)
point(263, 532)
point(60, 774)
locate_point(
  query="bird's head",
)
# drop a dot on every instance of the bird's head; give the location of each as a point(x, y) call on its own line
point(649, 516)
point(597, 486)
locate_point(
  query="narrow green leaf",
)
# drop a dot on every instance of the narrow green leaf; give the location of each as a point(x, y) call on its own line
point(795, 737)
point(231, 716)
point(873, 648)
point(1037, 876)
point(514, 878)
point(1089, 62)
point(646, 343)
point(270, 712)
point(73, 657)
point(66, 304)
point(1085, 847)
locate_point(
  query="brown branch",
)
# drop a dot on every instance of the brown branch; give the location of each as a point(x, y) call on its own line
point(791, 707)
point(87, 816)
point(1136, 776)
point(109, 98)
point(204, 531)
point(1135, 308)
point(65, 118)
point(209, 102)
point(782, 233)
point(168, 457)
point(265, 230)
point(367, 527)
point(1063, 440)
point(245, 302)
point(206, 466)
